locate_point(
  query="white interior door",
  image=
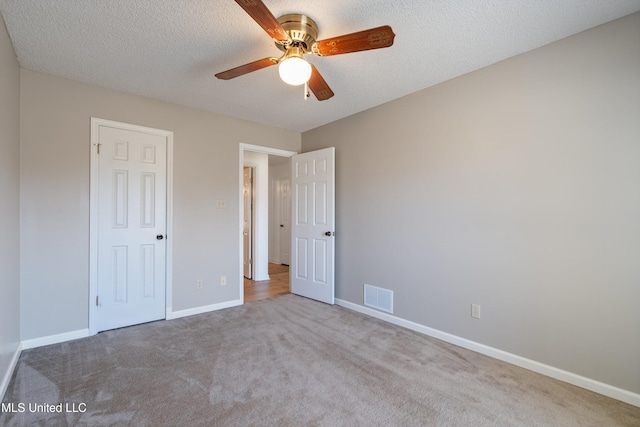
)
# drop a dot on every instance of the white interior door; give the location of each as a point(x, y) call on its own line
point(313, 225)
point(247, 225)
point(284, 211)
point(132, 180)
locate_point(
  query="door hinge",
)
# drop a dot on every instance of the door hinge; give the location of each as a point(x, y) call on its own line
point(96, 300)
point(98, 145)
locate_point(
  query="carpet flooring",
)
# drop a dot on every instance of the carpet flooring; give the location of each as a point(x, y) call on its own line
point(287, 361)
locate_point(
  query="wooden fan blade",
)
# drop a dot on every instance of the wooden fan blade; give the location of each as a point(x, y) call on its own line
point(318, 86)
point(247, 68)
point(374, 38)
point(263, 16)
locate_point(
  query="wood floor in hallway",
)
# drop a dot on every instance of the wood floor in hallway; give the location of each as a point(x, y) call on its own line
point(278, 284)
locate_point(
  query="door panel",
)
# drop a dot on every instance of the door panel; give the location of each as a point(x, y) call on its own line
point(313, 225)
point(285, 221)
point(148, 262)
point(131, 214)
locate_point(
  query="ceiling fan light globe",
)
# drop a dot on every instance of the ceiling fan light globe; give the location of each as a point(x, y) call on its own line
point(295, 71)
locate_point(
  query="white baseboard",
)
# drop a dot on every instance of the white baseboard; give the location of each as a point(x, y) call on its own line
point(204, 309)
point(83, 333)
point(7, 376)
point(55, 339)
point(550, 371)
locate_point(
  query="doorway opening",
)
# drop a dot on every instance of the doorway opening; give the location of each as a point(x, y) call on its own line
point(267, 244)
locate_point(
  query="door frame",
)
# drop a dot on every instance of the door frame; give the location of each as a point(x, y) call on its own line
point(256, 149)
point(93, 214)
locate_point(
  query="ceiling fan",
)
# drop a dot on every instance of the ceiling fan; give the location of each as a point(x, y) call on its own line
point(296, 35)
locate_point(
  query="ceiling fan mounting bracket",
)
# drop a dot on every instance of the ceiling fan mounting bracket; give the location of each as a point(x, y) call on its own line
point(302, 30)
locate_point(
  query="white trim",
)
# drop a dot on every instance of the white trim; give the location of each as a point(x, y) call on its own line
point(267, 150)
point(257, 149)
point(93, 214)
point(203, 309)
point(33, 343)
point(550, 371)
point(93, 228)
point(7, 376)
point(55, 339)
point(168, 268)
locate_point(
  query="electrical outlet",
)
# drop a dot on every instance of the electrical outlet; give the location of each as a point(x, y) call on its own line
point(199, 284)
point(475, 311)
point(221, 204)
point(223, 280)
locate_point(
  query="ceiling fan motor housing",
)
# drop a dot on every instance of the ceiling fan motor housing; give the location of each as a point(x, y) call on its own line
point(302, 30)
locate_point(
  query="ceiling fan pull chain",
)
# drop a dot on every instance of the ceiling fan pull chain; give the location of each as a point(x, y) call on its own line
point(306, 90)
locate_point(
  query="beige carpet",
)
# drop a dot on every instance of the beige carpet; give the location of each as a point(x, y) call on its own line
point(290, 361)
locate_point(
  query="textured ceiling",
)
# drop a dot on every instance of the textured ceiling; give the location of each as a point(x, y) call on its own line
point(171, 49)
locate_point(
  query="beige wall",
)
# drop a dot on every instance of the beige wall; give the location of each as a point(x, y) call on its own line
point(55, 132)
point(9, 205)
point(515, 187)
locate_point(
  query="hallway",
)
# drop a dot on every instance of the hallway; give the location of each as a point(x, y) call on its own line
point(277, 285)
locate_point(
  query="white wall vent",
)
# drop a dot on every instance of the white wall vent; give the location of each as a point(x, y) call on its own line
point(379, 298)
